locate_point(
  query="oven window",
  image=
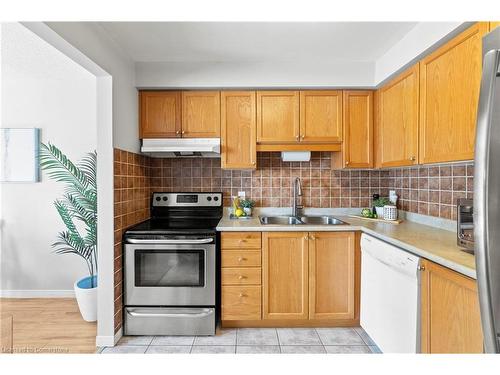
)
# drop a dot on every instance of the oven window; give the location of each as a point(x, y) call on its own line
point(166, 268)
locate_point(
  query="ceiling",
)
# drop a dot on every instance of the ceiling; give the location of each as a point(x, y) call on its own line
point(255, 41)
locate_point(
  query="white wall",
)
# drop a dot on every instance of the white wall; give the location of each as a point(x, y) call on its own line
point(94, 43)
point(309, 73)
point(41, 88)
point(284, 74)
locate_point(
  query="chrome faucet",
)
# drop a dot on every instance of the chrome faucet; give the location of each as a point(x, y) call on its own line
point(297, 192)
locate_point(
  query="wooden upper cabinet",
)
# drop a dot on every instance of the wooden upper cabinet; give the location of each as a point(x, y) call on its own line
point(284, 275)
point(238, 129)
point(449, 91)
point(160, 114)
point(493, 25)
point(201, 114)
point(331, 275)
point(278, 116)
point(357, 150)
point(321, 116)
point(451, 321)
point(396, 120)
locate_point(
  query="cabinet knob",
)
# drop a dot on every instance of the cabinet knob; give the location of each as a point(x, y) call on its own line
point(253, 163)
point(242, 295)
point(241, 259)
point(312, 238)
point(421, 268)
point(241, 241)
point(177, 132)
point(297, 137)
point(182, 132)
point(412, 158)
point(306, 237)
point(241, 277)
point(347, 163)
point(302, 136)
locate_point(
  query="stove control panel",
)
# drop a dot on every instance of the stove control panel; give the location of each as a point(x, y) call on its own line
point(187, 199)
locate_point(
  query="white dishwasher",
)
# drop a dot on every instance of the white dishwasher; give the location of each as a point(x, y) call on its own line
point(390, 296)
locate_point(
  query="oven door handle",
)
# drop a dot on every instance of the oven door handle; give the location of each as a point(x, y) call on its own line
point(139, 314)
point(177, 242)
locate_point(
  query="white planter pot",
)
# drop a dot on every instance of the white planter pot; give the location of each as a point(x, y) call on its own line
point(86, 298)
point(380, 212)
point(248, 211)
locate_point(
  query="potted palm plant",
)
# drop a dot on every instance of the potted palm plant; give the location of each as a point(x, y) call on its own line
point(78, 211)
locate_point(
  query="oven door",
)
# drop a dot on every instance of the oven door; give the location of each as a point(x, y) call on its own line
point(170, 272)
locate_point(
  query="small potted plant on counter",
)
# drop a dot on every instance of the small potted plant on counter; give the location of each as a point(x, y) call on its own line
point(379, 205)
point(247, 205)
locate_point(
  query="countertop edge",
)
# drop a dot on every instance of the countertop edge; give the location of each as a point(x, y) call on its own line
point(469, 272)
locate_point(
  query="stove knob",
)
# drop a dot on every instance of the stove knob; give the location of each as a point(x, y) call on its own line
point(216, 199)
point(158, 199)
point(165, 198)
point(209, 199)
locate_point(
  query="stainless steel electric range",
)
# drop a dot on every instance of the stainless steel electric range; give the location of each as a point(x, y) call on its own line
point(170, 266)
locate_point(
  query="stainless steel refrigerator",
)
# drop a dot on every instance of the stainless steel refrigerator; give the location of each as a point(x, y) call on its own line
point(487, 193)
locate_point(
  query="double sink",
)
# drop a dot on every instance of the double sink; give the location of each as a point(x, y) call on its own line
point(300, 220)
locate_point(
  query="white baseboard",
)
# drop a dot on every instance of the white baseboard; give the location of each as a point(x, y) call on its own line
point(37, 293)
point(109, 340)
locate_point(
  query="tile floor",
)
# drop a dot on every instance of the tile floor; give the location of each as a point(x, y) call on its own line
point(254, 341)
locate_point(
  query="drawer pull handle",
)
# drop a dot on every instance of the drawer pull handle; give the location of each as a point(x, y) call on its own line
point(241, 277)
point(241, 241)
point(241, 259)
point(242, 295)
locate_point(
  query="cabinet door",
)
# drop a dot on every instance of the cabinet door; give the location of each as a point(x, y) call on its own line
point(200, 114)
point(321, 116)
point(449, 92)
point(160, 114)
point(396, 121)
point(278, 116)
point(331, 275)
point(238, 129)
point(284, 271)
point(358, 129)
point(451, 321)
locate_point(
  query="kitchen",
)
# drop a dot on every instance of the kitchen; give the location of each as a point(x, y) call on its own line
point(333, 213)
point(312, 159)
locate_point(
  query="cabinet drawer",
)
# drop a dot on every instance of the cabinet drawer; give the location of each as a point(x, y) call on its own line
point(241, 303)
point(241, 276)
point(238, 258)
point(240, 240)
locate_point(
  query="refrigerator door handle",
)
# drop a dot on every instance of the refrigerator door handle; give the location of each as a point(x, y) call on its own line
point(486, 201)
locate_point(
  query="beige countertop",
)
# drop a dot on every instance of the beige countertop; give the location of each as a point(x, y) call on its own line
point(435, 244)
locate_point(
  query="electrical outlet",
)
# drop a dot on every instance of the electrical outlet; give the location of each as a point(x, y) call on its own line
point(241, 194)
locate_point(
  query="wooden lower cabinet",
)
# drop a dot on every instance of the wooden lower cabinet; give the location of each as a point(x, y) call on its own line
point(241, 302)
point(309, 279)
point(331, 275)
point(285, 274)
point(241, 290)
point(450, 321)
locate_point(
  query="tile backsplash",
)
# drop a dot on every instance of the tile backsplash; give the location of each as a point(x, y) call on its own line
point(428, 190)
point(131, 205)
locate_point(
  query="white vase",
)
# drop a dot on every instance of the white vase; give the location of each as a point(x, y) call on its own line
point(86, 296)
point(380, 212)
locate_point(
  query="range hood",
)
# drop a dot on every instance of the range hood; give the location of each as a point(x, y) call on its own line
point(181, 147)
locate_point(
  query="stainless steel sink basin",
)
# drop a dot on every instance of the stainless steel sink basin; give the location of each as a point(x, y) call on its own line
point(303, 220)
point(279, 220)
point(321, 220)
